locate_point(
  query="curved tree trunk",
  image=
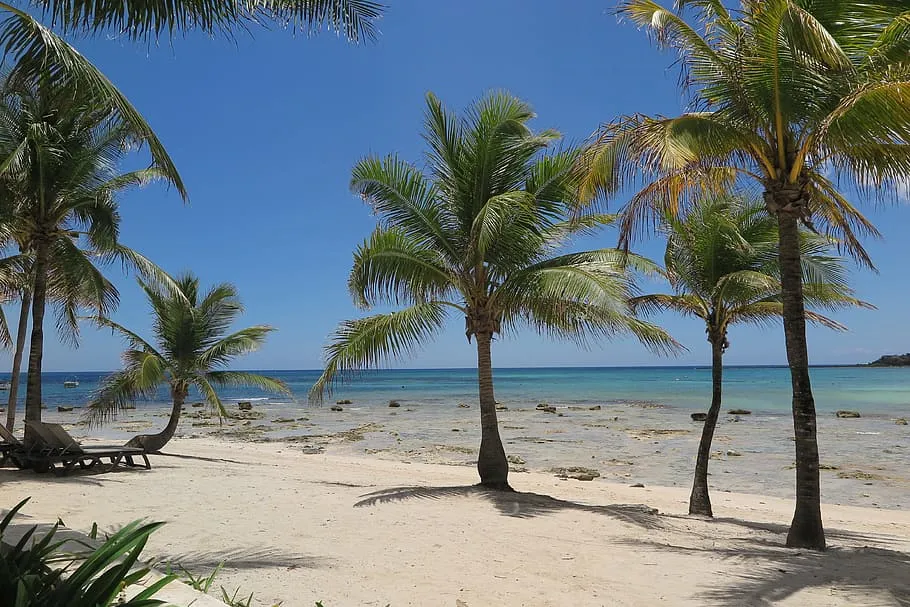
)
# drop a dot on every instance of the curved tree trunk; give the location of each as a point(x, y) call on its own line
point(699, 500)
point(806, 530)
point(155, 442)
point(36, 346)
point(492, 464)
point(17, 361)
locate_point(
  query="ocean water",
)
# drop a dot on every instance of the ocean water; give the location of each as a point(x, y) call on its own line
point(884, 391)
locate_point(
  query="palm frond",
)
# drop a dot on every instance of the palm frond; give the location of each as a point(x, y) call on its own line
point(391, 266)
point(247, 379)
point(686, 304)
point(231, 346)
point(355, 19)
point(144, 372)
point(371, 341)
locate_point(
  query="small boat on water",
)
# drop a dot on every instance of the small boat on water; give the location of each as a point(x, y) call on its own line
point(4, 385)
point(71, 382)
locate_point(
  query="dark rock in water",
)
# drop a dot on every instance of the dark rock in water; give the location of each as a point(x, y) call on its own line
point(594, 408)
point(638, 486)
point(515, 459)
point(699, 417)
point(463, 406)
point(576, 472)
point(848, 414)
point(542, 406)
point(501, 408)
point(343, 402)
point(739, 412)
point(245, 405)
point(732, 453)
point(61, 409)
point(394, 403)
point(900, 421)
point(197, 405)
point(336, 408)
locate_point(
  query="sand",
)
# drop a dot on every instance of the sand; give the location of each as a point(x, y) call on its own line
point(289, 527)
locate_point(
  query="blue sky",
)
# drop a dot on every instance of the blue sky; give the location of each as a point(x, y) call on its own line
point(266, 129)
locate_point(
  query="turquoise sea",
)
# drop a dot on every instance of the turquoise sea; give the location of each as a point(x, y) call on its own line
point(883, 391)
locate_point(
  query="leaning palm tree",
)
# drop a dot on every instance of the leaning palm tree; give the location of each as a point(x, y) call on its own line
point(799, 97)
point(59, 185)
point(191, 345)
point(475, 234)
point(721, 260)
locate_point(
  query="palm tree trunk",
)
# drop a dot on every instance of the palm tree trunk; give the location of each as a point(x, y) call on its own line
point(699, 500)
point(492, 464)
point(36, 346)
point(17, 361)
point(152, 443)
point(806, 530)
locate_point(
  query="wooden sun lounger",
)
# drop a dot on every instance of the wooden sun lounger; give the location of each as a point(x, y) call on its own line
point(64, 454)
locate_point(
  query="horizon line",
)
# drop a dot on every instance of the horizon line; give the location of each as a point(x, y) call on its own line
point(386, 369)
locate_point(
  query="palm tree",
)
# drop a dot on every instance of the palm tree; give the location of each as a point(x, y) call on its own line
point(798, 97)
point(59, 184)
point(191, 345)
point(722, 263)
point(474, 235)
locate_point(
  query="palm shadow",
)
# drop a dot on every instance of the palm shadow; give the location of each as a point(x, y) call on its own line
point(88, 476)
point(863, 574)
point(242, 558)
point(518, 504)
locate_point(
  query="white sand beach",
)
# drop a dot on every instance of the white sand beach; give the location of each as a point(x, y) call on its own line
point(288, 527)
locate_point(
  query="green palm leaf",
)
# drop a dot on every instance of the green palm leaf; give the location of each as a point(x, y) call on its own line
point(374, 340)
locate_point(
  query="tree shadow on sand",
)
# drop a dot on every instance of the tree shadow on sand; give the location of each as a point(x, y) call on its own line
point(242, 558)
point(516, 504)
point(857, 574)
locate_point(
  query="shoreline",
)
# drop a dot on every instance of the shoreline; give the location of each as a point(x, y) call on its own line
point(864, 460)
point(288, 527)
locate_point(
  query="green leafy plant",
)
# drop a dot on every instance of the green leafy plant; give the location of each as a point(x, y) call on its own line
point(200, 583)
point(38, 573)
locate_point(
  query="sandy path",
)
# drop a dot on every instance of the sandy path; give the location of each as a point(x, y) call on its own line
point(286, 526)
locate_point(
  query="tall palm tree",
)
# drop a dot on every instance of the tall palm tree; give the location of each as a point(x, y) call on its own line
point(721, 260)
point(799, 97)
point(60, 182)
point(474, 234)
point(190, 346)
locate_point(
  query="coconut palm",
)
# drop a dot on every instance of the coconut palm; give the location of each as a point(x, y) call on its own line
point(799, 97)
point(191, 345)
point(475, 235)
point(721, 260)
point(59, 182)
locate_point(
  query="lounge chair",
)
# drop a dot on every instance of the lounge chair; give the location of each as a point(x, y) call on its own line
point(61, 453)
point(14, 450)
point(8, 446)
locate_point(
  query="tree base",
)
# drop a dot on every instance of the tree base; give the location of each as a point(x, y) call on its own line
point(810, 539)
point(496, 485)
point(700, 510)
